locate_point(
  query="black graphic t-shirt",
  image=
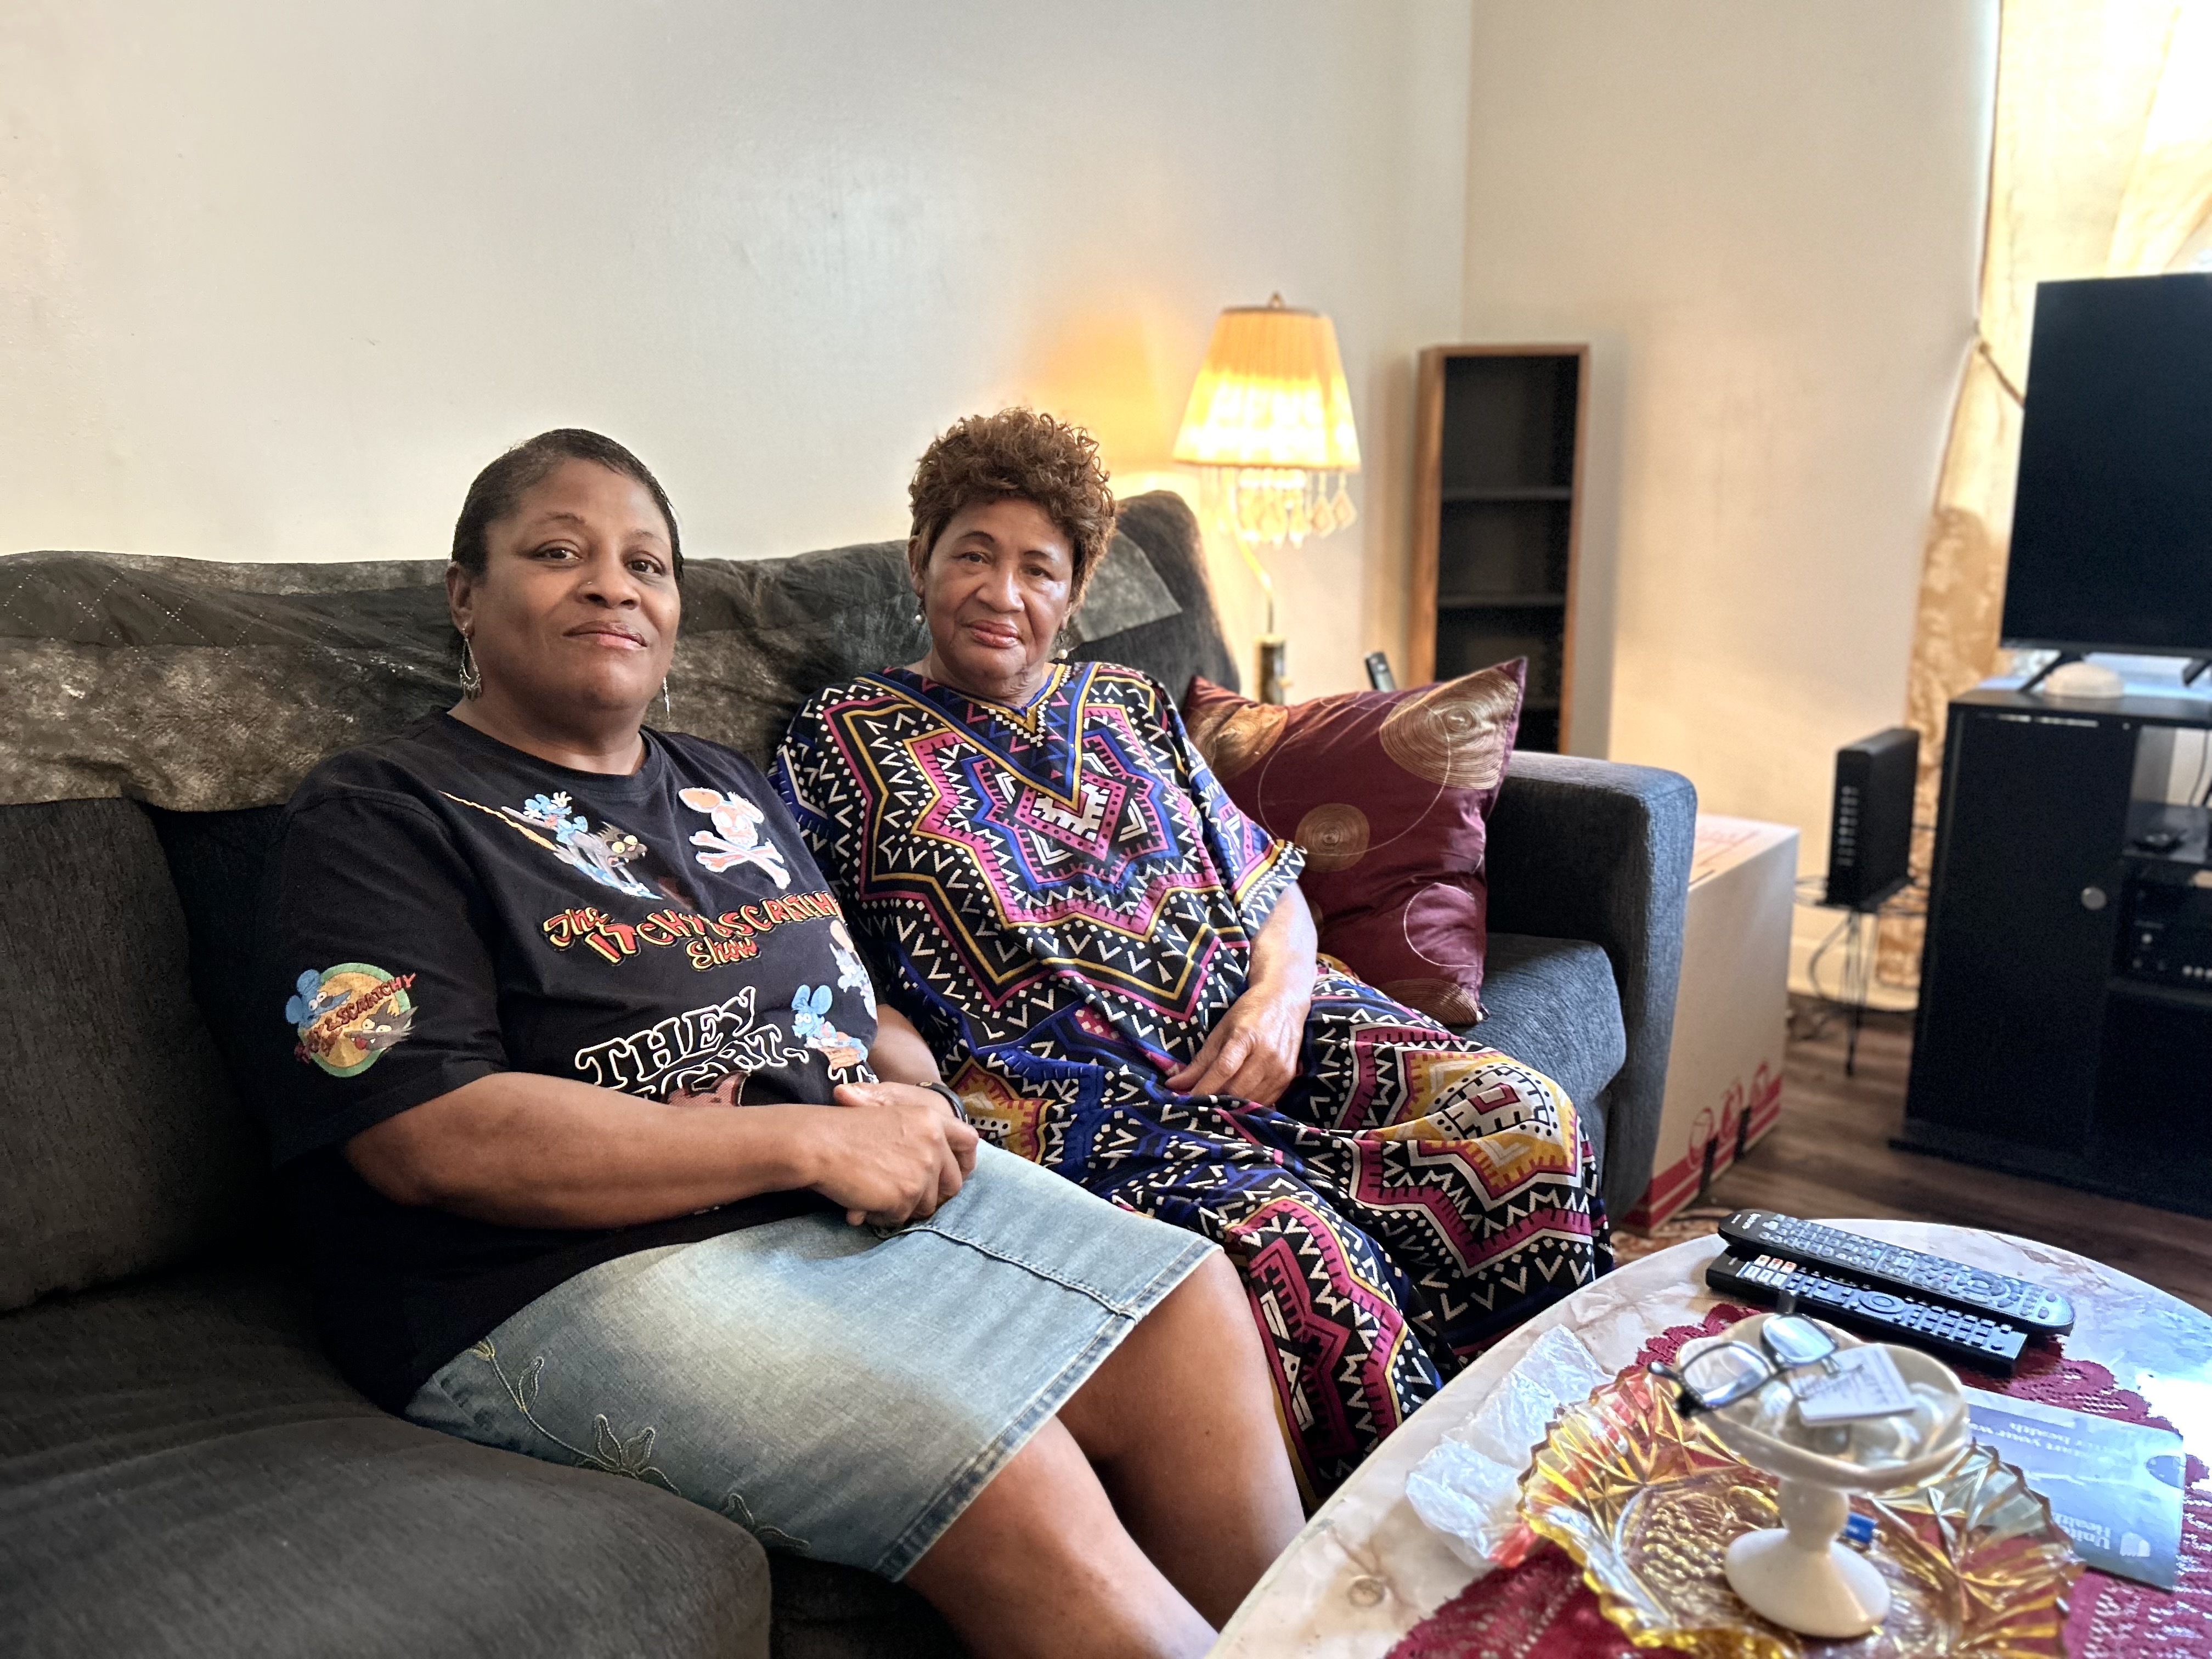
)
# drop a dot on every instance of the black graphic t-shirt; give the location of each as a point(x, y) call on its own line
point(442, 907)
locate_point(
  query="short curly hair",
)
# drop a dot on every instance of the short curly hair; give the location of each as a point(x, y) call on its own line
point(1019, 454)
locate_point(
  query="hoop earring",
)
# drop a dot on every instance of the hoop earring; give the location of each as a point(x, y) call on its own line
point(667, 708)
point(471, 677)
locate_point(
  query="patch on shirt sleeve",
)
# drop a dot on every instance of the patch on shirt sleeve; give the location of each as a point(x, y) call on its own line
point(349, 1015)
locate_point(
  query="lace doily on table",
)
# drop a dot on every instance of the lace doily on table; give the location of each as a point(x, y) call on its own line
point(1541, 1609)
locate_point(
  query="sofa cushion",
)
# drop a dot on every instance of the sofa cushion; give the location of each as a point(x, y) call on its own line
point(216, 862)
point(1187, 641)
point(122, 1145)
point(1553, 1005)
point(182, 1473)
point(823, 1611)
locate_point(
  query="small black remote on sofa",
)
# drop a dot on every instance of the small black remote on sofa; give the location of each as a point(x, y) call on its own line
point(1964, 1338)
point(1893, 1267)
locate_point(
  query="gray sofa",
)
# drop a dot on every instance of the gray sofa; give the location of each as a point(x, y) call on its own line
point(181, 1472)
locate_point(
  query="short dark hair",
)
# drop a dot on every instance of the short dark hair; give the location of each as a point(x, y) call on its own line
point(1018, 452)
point(499, 489)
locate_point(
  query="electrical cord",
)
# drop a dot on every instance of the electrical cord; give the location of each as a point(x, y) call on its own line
point(1821, 950)
point(1909, 903)
point(1849, 997)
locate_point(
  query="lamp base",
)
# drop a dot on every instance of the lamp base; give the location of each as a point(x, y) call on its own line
point(1275, 668)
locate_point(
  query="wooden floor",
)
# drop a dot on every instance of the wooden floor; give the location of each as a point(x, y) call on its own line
point(1830, 1155)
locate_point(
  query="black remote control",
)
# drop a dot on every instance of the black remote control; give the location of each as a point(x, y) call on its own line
point(1964, 1339)
point(1893, 1267)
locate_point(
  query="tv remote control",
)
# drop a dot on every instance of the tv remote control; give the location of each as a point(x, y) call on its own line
point(1893, 1267)
point(1964, 1339)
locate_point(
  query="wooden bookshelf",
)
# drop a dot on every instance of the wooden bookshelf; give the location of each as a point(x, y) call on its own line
point(1497, 511)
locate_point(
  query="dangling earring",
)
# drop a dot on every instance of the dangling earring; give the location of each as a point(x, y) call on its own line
point(919, 621)
point(667, 708)
point(472, 675)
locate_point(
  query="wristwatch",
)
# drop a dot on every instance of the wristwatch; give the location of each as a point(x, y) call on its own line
point(950, 1099)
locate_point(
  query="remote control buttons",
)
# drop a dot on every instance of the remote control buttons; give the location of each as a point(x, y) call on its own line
point(1910, 1273)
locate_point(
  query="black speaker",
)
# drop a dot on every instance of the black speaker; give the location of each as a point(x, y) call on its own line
point(1870, 828)
point(2021, 926)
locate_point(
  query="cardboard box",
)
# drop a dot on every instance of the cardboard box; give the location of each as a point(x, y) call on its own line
point(1731, 1014)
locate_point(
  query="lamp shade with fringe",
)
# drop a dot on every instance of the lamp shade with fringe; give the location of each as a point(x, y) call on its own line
point(1271, 409)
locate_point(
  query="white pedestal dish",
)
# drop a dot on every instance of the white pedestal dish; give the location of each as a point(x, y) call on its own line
point(1800, 1575)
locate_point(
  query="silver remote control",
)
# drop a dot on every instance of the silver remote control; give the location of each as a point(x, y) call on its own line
point(1893, 1267)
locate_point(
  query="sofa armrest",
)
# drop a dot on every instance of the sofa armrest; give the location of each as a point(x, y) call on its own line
point(1595, 850)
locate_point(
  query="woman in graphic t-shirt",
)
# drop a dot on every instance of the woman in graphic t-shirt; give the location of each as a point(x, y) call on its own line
point(607, 1154)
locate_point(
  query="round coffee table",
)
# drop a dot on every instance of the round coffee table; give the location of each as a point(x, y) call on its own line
point(1366, 1570)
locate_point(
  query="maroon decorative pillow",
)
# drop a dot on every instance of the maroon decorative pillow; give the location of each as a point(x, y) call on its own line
point(1389, 793)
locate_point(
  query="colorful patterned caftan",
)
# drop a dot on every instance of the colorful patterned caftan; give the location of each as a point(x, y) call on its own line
point(1063, 899)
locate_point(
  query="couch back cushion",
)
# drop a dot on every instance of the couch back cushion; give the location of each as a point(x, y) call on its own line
point(122, 1147)
point(197, 685)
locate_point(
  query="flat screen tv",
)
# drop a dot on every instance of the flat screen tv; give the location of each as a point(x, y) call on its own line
point(2111, 539)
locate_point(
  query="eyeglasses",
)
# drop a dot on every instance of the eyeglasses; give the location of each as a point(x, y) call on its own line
point(1728, 1371)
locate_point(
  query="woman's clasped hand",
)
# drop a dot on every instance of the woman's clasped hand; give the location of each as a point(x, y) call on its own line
point(1252, 1052)
point(893, 1154)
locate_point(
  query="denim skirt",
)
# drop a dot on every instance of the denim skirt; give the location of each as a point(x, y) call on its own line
point(840, 1392)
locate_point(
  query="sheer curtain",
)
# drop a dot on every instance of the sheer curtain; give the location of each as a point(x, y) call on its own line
point(2101, 166)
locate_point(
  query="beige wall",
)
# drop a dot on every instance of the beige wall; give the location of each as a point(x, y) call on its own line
point(275, 279)
point(1764, 216)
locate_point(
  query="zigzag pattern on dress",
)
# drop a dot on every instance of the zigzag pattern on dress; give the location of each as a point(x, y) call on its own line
point(1063, 899)
point(995, 839)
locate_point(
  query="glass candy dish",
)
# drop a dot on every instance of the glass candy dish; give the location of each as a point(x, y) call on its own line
point(1646, 1501)
point(1800, 1575)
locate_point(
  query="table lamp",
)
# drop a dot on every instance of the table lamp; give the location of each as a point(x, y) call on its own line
point(1270, 424)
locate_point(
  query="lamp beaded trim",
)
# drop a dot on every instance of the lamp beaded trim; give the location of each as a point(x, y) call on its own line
point(1271, 506)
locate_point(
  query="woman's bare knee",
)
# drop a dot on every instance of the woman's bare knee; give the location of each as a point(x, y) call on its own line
point(1197, 1350)
point(1181, 1423)
point(1039, 1564)
point(1219, 1288)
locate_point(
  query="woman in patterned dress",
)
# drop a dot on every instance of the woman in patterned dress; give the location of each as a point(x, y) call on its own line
point(1114, 966)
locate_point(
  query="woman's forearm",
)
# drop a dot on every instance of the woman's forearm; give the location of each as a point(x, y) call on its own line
point(1283, 953)
point(525, 1150)
point(1252, 1051)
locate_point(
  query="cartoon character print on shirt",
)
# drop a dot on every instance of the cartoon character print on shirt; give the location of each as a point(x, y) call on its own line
point(348, 1016)
point(852, 972)
point(735, 840)
point(600, 854)
point(810, 1003)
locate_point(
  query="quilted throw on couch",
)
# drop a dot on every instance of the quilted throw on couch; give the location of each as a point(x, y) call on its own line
point(199, 685)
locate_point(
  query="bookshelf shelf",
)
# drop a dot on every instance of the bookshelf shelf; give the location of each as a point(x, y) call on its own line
point(1460, 496)
point(1499, 601)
